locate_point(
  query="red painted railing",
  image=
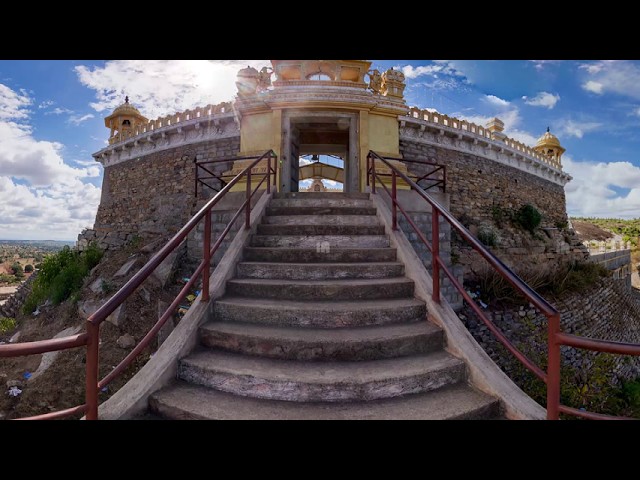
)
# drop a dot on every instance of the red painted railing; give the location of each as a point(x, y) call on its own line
point(556, 338)
point(91, 338)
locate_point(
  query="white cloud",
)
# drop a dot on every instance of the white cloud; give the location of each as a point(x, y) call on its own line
point(541, 64)
point(542, 99)
point(594, 87)
point(77, 119)
point(41, 196)
point(58, 111)
point(590, 192)
point(161, 87)
point(304, 161)
point(412, 72)
point(613, 76)
point(46, 104)
point(576, 129)
point(496, 101)
point(13, 104)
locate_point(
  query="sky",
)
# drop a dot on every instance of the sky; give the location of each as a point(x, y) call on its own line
point(51, 121)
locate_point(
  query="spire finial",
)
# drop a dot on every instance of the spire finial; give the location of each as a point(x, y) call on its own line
point(126, 100)
point(547, 129)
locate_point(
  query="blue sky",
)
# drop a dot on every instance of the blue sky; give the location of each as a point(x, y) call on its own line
point(51, 121)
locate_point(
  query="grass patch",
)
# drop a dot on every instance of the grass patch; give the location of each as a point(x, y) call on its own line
point(528, 217)
point(7, 324)
point(61, 275)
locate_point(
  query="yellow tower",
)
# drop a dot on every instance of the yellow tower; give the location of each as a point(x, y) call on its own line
point(549, 145)
point(123, 121)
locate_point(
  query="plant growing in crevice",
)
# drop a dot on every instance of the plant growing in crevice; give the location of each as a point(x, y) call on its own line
point(528, 217)
point(488, 235)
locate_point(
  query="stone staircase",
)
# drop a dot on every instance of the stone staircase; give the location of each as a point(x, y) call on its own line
point(321, 323)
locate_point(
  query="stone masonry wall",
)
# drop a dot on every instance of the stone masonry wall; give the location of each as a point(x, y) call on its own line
point(610, 310)
point(481, 190)
point(154, 194)
point(14, 302)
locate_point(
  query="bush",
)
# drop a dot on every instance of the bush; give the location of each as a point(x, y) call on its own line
point(528, 217)
point(61, 275)
point(488, 236)
point(28, 268)
point(569, 277)
point(17, 270)
point(7, 324)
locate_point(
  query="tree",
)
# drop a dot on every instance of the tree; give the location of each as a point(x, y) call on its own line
point(28, 268)
point(17, 270)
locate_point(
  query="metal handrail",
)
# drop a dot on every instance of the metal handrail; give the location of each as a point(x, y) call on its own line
point(91, 339)
point(555, 336)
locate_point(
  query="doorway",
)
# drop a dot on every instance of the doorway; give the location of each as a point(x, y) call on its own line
point(331, 136)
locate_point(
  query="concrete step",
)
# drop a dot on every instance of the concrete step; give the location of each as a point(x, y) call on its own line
point(318, 271)
point(306, 195)
point(320, 381)
point(351, 220)
point(300, 210)
point(320, 202)
point(359, 289)
point(320, 241)
point(312, 255)
point(321, 344)
point(327, 314)
point(269, 229)
point(184, 401)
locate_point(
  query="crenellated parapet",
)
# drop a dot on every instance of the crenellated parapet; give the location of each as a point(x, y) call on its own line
point(442, 130)
point(182, 128)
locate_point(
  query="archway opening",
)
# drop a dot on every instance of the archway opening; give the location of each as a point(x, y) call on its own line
point(321, 173)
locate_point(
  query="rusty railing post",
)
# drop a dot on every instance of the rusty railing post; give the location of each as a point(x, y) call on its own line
point(247, 217)
point(394, 199)
point(275, 171)
point(206, 253)
point(368, 168)
point(553, 368)
point(268, 174)
point(435, 254)
point(91, 382)
point(373, 174)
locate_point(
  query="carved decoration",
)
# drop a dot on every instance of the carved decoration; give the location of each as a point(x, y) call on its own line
point(375, 81)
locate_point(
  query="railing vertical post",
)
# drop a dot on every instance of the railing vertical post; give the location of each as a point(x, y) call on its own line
point(394, 199)
point(373, 174)
point(206, 253)
point(368, 167)
point(275, 170)
point(553, 368)
point(247, 216)
point(91, 382)
point(268, 174)
point(435, 254)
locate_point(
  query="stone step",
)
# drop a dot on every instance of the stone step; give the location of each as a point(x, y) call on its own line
point(312, 255)
point(351, 220)
point(320, 381)
point(320, 203)
point(327, 314)
point(318, 271)
point(321, 344)
point(184, 401)
point(270, 229)
point(358, 289)
point(300, 210)
point(305, 195)
point(320, 241)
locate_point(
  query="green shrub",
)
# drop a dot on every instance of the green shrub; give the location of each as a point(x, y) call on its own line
point(7, 324)
point(17, 270)
point(61, 276)
point(28, 268)
point(528, 217)
point(488, 236)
